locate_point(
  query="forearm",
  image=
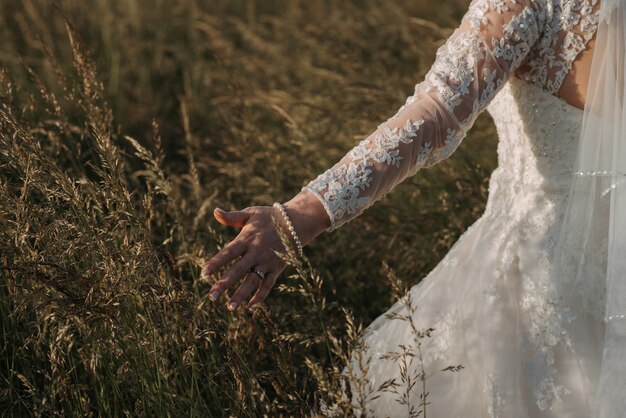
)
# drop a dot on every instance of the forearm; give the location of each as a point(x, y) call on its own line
point(470, 69)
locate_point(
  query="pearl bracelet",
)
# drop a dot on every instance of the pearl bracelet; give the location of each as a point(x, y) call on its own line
point(291, 229)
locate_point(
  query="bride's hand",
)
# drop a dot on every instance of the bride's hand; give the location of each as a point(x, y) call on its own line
point(255, 244)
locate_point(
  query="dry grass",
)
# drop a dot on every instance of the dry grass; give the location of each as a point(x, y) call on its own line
point(118, 136)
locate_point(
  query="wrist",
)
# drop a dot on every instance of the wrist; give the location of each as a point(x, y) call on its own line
point(308, 216)
point(287, 222)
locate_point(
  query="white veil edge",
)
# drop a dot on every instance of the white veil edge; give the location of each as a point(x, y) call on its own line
point(608, 99)
point(591, 251)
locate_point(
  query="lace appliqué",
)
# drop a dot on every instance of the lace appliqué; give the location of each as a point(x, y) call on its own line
point(439, 346)
point(545, 329)
point(495, 398)
point(570, 27)
point(344, 184)
point(521, 28)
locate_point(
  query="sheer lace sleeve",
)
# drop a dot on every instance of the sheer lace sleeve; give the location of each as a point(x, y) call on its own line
point(470, 68)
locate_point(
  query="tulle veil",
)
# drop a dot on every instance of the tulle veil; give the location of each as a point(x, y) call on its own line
point(592, 242)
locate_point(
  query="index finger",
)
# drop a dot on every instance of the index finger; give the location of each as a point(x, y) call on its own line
point(230, 251)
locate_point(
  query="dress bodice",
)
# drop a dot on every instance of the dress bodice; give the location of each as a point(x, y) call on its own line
point(538, 138)
point(538, 135)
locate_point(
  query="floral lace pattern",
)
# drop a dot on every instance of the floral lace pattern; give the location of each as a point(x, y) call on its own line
point(442, 337)
point(545, 329)
point(345, 183)
point(491, 389)
point(570, 27)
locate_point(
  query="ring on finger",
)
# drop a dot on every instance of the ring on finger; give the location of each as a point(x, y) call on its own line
point(260, 273)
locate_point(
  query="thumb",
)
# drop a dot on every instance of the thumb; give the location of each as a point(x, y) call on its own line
point(233, 218)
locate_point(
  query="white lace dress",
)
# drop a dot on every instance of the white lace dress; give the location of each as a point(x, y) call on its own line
point(523, 353)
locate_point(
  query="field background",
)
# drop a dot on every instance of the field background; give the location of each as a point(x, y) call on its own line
point(121, 132)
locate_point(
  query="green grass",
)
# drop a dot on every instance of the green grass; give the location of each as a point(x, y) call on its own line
point(117, 141)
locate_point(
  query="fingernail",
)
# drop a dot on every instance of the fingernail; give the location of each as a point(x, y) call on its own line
point(214, 295)
point(219, 210)
point(233, 305)
point(252, 308)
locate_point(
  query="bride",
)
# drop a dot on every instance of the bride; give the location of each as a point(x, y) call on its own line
point(528, 305)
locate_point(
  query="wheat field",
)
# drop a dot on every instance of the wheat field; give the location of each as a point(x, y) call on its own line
point(124, 123)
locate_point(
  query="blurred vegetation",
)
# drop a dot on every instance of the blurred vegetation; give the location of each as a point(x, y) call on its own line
point(121, 132)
